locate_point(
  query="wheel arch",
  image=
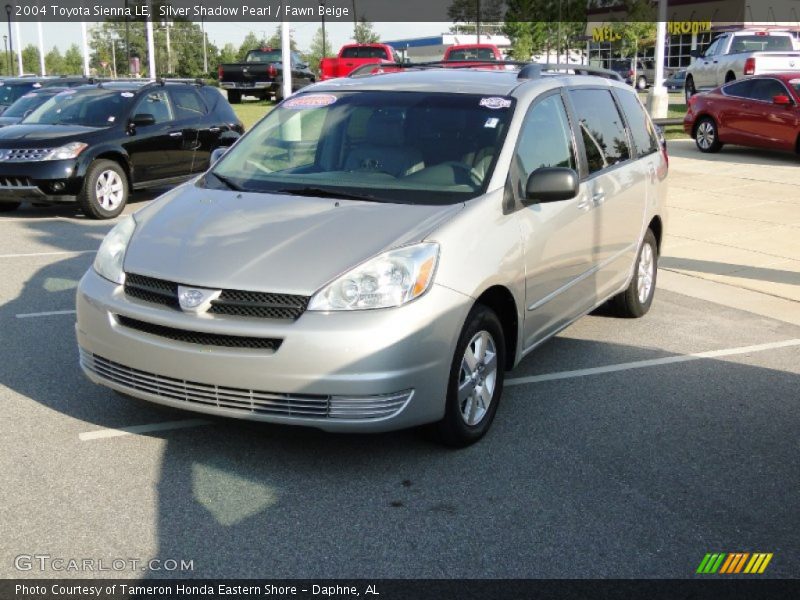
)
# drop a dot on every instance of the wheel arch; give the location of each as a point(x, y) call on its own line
point(118, 156)
point(656, 225)
point(501, 301)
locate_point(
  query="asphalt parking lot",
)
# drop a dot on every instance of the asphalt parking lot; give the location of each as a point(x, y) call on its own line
point(622, 448)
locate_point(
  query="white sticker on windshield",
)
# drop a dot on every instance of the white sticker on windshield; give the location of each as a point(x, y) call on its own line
point(495, 102)
point(37, 85)
point(309, 101)
point(491, 123)
point(127, 94)
point(29, 95)
point(112, 118)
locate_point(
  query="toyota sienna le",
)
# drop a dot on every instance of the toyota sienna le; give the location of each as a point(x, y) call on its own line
point(378, 251)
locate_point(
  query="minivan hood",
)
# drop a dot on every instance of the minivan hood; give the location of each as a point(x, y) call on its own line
point(268, 242)
point(24, 136)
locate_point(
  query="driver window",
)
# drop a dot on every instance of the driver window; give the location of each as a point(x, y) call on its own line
point(155, 103)
point(545, 139)
point(712, 49)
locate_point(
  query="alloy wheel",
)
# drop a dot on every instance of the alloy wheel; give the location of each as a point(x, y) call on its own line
point(477, 378)
point(646, 274)
point(109, 190)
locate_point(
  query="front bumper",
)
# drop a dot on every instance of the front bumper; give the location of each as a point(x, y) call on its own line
point(362, 371)
point(39, 181)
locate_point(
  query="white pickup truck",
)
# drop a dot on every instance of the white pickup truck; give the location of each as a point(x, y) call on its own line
point(739, 53)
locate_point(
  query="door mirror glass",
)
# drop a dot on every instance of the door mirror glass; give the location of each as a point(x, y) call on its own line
point(143, 120)
point(782, 100)
point(551, 184)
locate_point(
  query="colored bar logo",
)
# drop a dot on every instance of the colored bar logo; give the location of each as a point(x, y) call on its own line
point(732, 563)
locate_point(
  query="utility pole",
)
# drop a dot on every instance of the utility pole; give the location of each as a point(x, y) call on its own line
point(41, 48)
point(85, 48)
point(128, 38)
point(167, 26)
point(113, 55)
point(10, 40)
point(478, 20)
point(151, 46)
point(205, 53)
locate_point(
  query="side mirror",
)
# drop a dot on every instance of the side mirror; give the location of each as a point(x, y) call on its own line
point(216, 154)
point(551, 184)
point(782, 100)
point(143, 120)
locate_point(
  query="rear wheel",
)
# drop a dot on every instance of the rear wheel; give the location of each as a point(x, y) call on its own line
point(9, 206)
point(105, 190)
point(234, 97)
point(689, 89)
point(636, 300)
point(706, 135)
point(476, 380)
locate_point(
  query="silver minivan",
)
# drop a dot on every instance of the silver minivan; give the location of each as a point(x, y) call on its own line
point(378, 251)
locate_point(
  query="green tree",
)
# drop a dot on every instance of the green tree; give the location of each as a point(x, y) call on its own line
point(54, 62)
point(364, 33)
point(30, 59)
point(275, 40)
point(464, 13)
point(250, 42)
point(638, 29)
point(73, 61)
point(544, 26)
point(227, 54)
point(317, 52)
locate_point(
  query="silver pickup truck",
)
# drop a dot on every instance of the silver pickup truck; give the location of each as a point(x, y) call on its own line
point(739, 53)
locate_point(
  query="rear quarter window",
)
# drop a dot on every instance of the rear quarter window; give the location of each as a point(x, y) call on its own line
point(601, 127)
point(644, 136)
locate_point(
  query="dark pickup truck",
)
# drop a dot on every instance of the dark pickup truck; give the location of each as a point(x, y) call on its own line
point(261, 75)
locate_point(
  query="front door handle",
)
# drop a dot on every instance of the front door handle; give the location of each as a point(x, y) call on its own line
point(585, 203)
point(176, 134)
point(598, 197)
point(214, 129)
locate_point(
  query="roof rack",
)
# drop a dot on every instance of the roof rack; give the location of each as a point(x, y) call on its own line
point(527, 70)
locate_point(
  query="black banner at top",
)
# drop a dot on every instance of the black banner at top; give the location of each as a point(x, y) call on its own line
point(762, 12)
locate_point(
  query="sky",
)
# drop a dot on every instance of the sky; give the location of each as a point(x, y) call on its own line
point(63, 35)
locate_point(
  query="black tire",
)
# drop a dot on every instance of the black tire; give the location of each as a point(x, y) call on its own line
point(689, 89)
point(279, 93)
point(234, 97)
point(631, 303)
point(90, 200)
point(706, 135)
point(9, 206)
point(454, 429)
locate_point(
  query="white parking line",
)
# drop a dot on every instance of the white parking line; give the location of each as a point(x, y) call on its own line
point(136, 429)
point(655, 362)
point(34, 254)
point(45, 314)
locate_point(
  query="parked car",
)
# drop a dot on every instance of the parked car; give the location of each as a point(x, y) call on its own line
point(13, 88)
point(736, 54)
point(676, 81)
point(112, 138)
point(643, 75)
point(762, 112)
point(469, 54)
point(27, 103)
point(261, 75)
point(376, 252)
point(354, 56)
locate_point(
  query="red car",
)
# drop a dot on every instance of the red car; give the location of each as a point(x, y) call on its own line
point(473, 55)
point(761, 111)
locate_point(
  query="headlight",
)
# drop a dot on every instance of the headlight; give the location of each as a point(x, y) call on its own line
point(71, 150)
point(390, 279)
point(108, 262)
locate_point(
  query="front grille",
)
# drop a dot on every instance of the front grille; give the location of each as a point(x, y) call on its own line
point(23, 154)
point(199, 337)
point(10, 181)
point(247, 402)
point(263, 305)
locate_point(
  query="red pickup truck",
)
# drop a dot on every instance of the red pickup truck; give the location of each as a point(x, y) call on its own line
point(352, 56)
point(472, 55)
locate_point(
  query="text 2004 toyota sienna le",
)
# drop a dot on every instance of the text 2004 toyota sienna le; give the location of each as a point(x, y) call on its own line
point(378, 251)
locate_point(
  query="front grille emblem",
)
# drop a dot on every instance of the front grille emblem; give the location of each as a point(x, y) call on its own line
point(196, 300)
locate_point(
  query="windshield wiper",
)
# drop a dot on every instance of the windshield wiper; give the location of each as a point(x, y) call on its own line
point(227, 182)
point(317, 192)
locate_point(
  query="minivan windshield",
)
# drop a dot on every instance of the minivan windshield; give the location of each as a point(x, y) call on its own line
point(91, 108)
point(404, 147)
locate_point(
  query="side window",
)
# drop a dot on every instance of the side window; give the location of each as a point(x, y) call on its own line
point(712, 49)
point(545, 139)
point(740, 89)
point(767, 89)
point(601, 128)
point(642, 132)
point(155, 103)
point(188, 105)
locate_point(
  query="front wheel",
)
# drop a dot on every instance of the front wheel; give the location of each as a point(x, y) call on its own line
point(706, 135)
point(105, 190)
point(476, 380)
point(9, 206)
point(641, 83)
point(689, 89)
point(636, 300)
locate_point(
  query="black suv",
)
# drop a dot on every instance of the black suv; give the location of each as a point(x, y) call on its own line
point(93, 144)
point(13, 88)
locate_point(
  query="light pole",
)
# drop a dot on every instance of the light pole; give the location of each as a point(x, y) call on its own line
point(10, 39)
point(478, 19)
point(128, 38)
point(205, 54)
point(5, 43)
point(324, 45)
